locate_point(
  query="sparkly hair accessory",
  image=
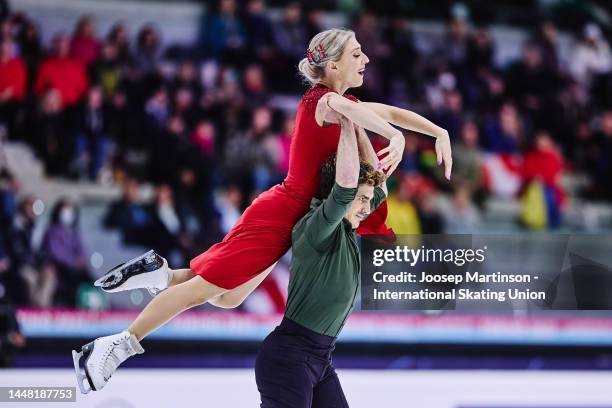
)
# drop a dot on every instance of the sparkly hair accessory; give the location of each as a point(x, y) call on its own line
point(311, 57)
point(322, 51)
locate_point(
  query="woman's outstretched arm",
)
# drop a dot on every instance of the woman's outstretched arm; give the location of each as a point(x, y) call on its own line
point(364, 117)
point(412, 121)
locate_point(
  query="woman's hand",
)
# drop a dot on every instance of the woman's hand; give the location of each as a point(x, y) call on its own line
point(394, 152)
point(444, 154)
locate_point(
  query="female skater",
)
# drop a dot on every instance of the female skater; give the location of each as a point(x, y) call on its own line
point(230, 270)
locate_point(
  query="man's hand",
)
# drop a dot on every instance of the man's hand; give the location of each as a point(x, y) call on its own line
point(444, 154)
point(394, 151)
point(346, 124)
point(325, 114)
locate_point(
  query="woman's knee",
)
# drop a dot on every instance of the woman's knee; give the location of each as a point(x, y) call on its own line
point(201, 291)
point(227, 300)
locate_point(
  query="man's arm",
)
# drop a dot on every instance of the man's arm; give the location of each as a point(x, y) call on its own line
point(326, 218)
point(367, 153)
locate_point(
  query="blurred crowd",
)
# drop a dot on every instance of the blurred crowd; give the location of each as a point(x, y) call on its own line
point(200, 123)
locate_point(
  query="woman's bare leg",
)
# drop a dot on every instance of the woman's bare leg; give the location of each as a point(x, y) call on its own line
point(234, 297)
point(171, 302)
point(180, 276)
point(185, 291)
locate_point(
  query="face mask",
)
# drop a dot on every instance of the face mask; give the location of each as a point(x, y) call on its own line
point(67, 216)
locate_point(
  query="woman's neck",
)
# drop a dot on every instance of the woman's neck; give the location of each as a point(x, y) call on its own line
point(338, 86)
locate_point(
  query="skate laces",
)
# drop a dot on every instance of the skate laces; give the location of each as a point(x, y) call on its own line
point(110, 360)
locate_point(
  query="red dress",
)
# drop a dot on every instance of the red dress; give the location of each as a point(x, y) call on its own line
point(262, 235)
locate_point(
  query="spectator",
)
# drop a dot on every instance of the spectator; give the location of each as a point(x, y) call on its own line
point(184, 106)
point(6, 278)
point(147, 49)
point(544, 162)
point(11, 338)
point(542, 167)
point(54, 140)
point(157, 110)
point(248, 163)
point(480, 50)
point(504, 134)
point(410, 160)
point(168, 233)
point(203, 137)
point(403, 217)
point(35, 281)
point(290, 32)
point(400, 38)
point(187, 78)
point(30, 46)
point(129, 215)
point(534, 86)
point(583, 148)
point(223, 34)
point(547, 40)
point(450, 117)
point(468, 161)
point(92, 142)
point(9, 187)
point(84, 45)
point(280, 146)
point(107, 72)
point(455, 46)
point(254, 86)
point(228, 203)
point(259, 31)
point(118, 37)
point(171, 150)
point(371, 39)
point(602, 163)
point(460, 215)
point(12, 84)
point(63, 246)
point(290, 39)
point(591, 57)
point(63, 74)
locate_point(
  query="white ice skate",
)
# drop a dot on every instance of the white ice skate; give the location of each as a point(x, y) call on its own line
point(148, 271)
point(101, 359)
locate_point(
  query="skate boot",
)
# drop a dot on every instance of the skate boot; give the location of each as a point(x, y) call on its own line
point(149, 271)
point(101, 359)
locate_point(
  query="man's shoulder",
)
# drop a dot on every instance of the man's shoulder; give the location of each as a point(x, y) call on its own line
point(298, 228)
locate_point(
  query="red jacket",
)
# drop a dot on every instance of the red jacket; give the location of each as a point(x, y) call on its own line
point(547, 167)
point(13, 76)
point(67, 75)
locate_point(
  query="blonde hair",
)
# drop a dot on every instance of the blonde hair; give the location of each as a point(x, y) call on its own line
point(326, 46)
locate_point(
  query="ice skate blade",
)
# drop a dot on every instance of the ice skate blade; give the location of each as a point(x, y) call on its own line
point(82, 379)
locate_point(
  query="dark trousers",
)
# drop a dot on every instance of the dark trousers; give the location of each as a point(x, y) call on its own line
point(294, 369)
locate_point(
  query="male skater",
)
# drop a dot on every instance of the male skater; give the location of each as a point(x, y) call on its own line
point(294, 368)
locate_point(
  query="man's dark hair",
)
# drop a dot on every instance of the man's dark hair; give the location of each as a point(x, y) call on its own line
point(367, 175)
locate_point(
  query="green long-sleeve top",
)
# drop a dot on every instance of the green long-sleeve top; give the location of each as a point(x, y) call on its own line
point(325, 267)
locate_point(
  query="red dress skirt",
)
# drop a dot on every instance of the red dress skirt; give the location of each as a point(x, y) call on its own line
point(262, 235)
